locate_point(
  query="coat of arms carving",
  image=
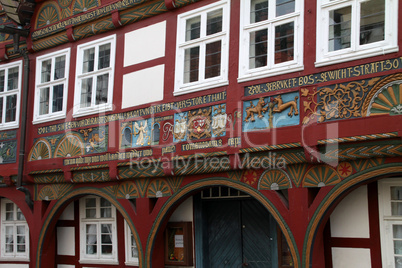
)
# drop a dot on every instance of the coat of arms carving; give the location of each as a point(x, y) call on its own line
point(199, 124)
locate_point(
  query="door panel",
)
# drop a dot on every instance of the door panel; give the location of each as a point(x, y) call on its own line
point(259, 236)
point(238, 233)
point(224, 238)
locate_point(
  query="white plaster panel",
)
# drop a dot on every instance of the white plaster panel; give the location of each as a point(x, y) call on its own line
point(351, 258)
point(65, 241)
point(184, 212)
point(143, 86)
point(350, 217)
point(145, 44)
point(8, 265)
point(65, 266)
point(68, 213)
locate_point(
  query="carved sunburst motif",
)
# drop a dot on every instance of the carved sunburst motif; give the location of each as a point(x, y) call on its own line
point(64, 3)
point(158, 188)
point(274, 180)
point(387, 101)
point(84, 5)
point(69, 146)
point(320, 176)
point(41, 150)
point(47, 15)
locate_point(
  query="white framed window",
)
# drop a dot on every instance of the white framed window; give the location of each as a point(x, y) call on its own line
point(98, 235)
point(353, 29)
point(51, 86)
point(202, 48)
point(95, 76)
point(271, 38)
point(10, 90)
point(131, 246)
point(390, 211)
point(14, 232)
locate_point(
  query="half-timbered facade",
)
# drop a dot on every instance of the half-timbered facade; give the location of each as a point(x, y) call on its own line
point(212, 133)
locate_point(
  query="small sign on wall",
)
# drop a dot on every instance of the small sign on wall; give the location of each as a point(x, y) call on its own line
point(179, 244)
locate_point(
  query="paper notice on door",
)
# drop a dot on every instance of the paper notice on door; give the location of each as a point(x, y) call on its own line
point(178, 241)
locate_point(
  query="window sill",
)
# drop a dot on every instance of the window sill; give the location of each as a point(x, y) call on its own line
point(268, 73)
point(99, 261)
point(356, 55)
point(93, 110)
point(14, 259)
point(200, 87)
point(42, 119)
point(131, 263)
point(9, 127)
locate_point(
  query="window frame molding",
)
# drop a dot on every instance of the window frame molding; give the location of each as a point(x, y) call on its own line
point(127, 242)
point(55, 115)
point(272, 69)
point(13, 256)
point(356, 51)
point(386, 220)
point(79, 76)
point(15, 124)
point(99, 258)
point(180, 87)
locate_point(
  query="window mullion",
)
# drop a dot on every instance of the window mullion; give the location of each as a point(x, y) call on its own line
point(271, 45)
point(201, 63)
point(271, 9)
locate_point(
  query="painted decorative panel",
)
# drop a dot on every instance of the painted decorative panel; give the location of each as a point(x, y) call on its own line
point(271, 112)
point(70, 144)
point(208, 122)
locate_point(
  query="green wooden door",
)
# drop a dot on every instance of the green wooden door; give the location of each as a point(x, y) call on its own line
point(236, 233)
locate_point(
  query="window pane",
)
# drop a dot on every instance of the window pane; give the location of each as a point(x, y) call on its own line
point(102, 83)
point(284, 42)
point(20, 216)
point(1, 110)
point(372, 21)
point(44, 101)
point(86, 92)
point(60, 66)
point(12, 78)
point(107, 247)
point(191, 63)
point(89, 60)
point(258, 10)
point(214, 22)
point(106, 209)
point(90, 207)
point(2, 80)
point(339, 28)
point(396, 193)
point(11, 108)
point(91, 240)
point(104, 56)
point(193, 28)
point(45, 72)
point(398, 262)
point(284, 7)
point(9, 237)
point(258, 48)
point(213, 59)
point(57, 98)
point(134, 250)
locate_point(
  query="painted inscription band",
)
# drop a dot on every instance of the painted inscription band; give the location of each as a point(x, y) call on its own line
point(356, 71)
point(154, 109)
point(108, 157)
point(201, 145)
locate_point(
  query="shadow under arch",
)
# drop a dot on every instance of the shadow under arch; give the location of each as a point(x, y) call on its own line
point(79, 193)
point(190, 188)
point(338, 191)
